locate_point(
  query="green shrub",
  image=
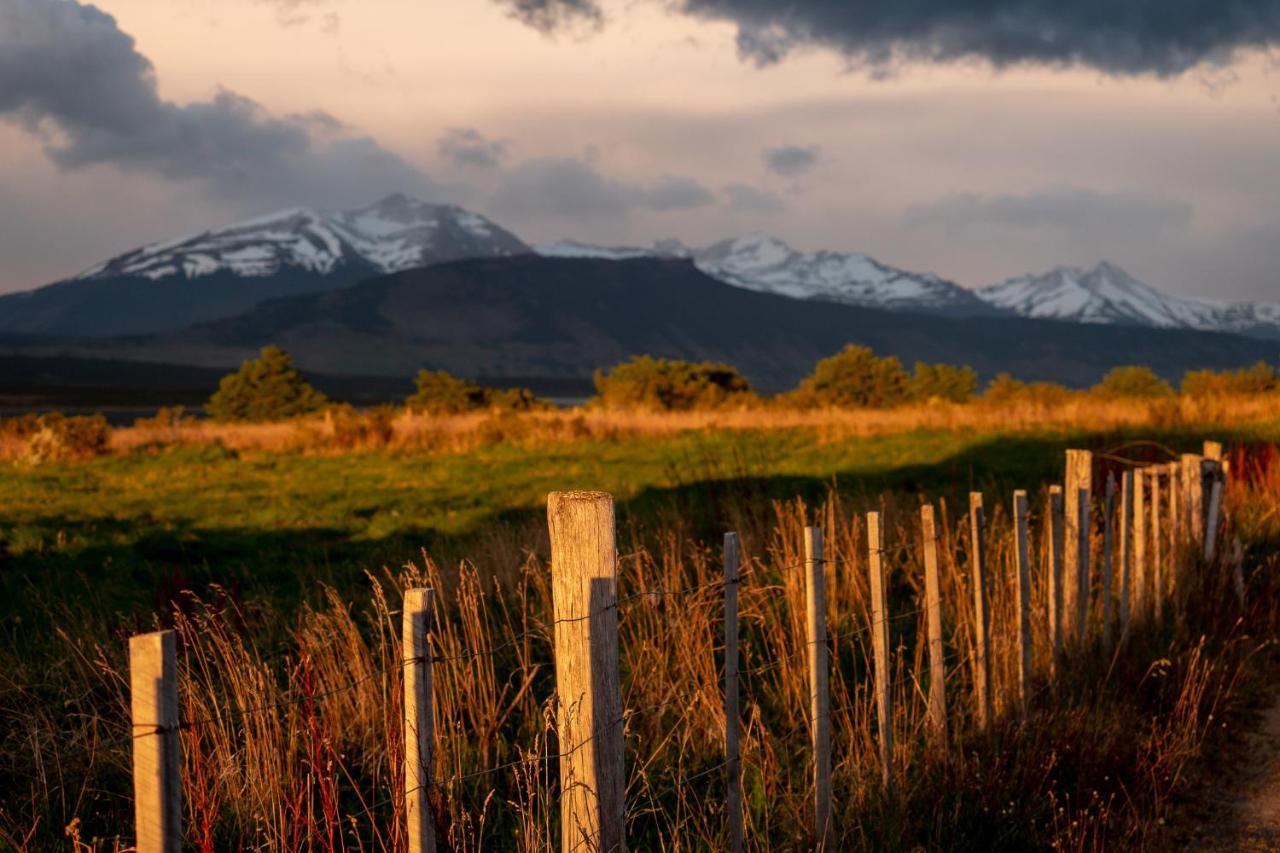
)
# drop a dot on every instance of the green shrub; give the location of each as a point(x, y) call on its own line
point(671, 385)
point(1259, 379)
point(441, 393)
point(60, 437)
point(955, 384)
point(1004, 390)
point(1132, 381)
point(266, 388)
point(855, 377)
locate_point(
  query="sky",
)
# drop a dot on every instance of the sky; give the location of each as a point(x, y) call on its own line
point(978, 139)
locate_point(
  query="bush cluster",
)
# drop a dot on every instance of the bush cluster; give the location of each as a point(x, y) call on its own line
point(440, 393)
point(671, 385)
point(1259, 379)
point(57, 436)
point(1132, 381)
point(856, 378)
point(266, 388)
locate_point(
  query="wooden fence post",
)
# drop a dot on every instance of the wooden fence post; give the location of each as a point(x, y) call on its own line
point(1139, 546)
point(933, 617)
point(880, 645)
point(1213, 450)
point(1175, 531)
point(1079, 476)
point(1022, 551)
point(1215, 507)
point(1084, 529)
point(419, 719)
point(584, 586)
point(1193, 493)
point(733, 763)
point(153, 701)
point(1108, 558)
point(1157, 564)
point(1126, 548)
point(1053, 519)
point(982, 617)
point(819, 688)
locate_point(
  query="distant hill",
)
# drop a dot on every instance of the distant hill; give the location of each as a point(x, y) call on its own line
point(564, 317)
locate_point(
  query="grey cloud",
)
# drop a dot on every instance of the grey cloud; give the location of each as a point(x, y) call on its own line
point(570, 188)
point(467, 147)
point(1075, 210)
point(549, 16)
point(749, 199)
point(71, 76)
point(1115, 36)
point(791, 160)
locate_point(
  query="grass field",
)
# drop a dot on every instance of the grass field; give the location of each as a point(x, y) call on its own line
point(250, 550)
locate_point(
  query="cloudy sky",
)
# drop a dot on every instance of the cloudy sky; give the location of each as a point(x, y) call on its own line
point(975, 139)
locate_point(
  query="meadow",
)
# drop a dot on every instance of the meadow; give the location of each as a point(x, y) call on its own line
point(279, 551)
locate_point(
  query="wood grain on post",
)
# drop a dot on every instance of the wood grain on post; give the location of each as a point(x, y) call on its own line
point(419, 719)
point(1139, 545)
point(1022, 552)
point(880, 645)
point(1084, 530)
point(1079, 475)
point(819, 688)
point(1193, 493)
point(153, 701)
point(1053, 519)
point(1174, 471)
point(1157, 564)
point(732, 757)
point(982, 616)
point(584, 589)
point(1108, 558)
point(1211, 521)
point(1126, 548)
point(933, 618)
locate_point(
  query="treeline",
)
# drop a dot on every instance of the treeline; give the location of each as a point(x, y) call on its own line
point(270, 387)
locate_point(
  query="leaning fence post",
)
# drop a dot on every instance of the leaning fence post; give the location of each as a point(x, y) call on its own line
point(153, 701)
point(1022, 551)
point(819, 688)
point(982, 618)
point(732, 760)
point(1054, 521)
point(1079, 477)
point(1139, 546)
point(1126, 548)
point(584, 587)
point(1108, 557)
point(419, 719)
point(933, 618)
point(1157, 567)
point(880, 645)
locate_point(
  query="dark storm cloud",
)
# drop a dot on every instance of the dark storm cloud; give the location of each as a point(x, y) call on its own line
point(1073, 210)
point(71, 76)
point(1116, 36)
point(791, 160)
point(468, 147)
point(570, 188)
point(749, 199)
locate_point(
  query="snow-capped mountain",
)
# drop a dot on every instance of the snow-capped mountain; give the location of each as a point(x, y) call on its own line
point(394, 234)
point(763, 263)
point(1108, 294)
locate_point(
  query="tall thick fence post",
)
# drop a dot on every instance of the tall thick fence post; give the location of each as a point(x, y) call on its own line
point(1139, 545)
point(880, 645)
point(584, 587)
point(1157, 564)
point(419, 719)
point(1126, 549)
point(153, 701)
point(1084, 526)
point(1193, 493)
point(732, 758)
point(1108, 559)
point(1079, 476)
point(1053, 520)
point(933, 618)
point(819, 688)
point(1022, 551)
point(1174, 471)
point(981, 614)
point(1215, 507)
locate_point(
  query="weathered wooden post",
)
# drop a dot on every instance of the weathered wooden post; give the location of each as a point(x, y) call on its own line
point(880, 645)
point(1126, 548)
point(1108, 558)
point(1213, 451)
point(419, 719)
point(1022, 551)
point(1084, 528)
point(1174, 470)
point(1215, 507)
point(1053, 518)
point(1139, 545)
point(1193, 493)
point(732, 724)
point(1157, 565)
point(933, 617)
point(153, 701)
point(819, 688)
point(584, 587)
point(982, 616)
point(1079, 475)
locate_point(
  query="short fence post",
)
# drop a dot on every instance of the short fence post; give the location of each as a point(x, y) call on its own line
point(1022, 551)
point(933, 617)
point(153, 701)
point(733, 765)
point(1126, 548)
point(1055, 541)
point(1108, 558)
point(1157, 567)
point(419, 719)
point(1213, 450)
point(584, 588)
point(880, 645)
point(819, 688)
point(1215, 507)
point(982, 618)
point(1079, 477)
point(1139, 545)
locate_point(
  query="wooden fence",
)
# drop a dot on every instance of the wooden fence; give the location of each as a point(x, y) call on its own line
point(1166, 516)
